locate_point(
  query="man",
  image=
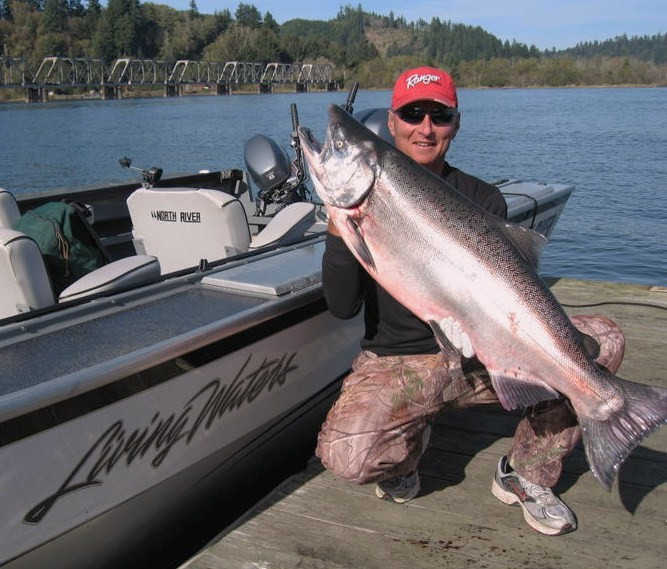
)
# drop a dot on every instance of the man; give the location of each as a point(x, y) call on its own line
point(379, 428)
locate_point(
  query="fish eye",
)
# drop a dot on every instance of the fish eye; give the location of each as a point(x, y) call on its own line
point(338, 144)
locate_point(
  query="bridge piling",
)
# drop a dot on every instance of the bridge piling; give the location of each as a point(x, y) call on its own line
point(171, 90)
point(110, 92)
point(35, 94)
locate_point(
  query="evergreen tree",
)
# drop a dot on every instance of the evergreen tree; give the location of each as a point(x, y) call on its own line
point(75, 8)
point(270, 23)
point(34, 4)
point(90, 19)
point(54, 17)
point(5, 10)
point(247, 15)
point(94, 7)
point(103, 42)
point(119, 31)
point(222, 20)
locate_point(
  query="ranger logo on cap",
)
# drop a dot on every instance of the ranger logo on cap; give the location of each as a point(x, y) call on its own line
point(426, 78)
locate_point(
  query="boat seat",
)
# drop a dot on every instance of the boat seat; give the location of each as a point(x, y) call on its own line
point(181, 226)
point(287, 226)
point(124, 273)
point(26, 286)
point(9, 210)
point(24, 281)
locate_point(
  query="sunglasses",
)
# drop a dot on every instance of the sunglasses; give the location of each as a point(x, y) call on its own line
point(414, 114)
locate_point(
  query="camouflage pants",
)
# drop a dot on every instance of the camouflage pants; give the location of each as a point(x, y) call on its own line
point(376, 430)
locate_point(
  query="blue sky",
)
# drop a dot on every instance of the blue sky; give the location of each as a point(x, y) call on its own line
point(544, 23)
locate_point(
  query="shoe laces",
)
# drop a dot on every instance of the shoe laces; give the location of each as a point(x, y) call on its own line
point(542, 495)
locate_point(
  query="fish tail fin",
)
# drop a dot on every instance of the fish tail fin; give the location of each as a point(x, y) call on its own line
point(608, 443)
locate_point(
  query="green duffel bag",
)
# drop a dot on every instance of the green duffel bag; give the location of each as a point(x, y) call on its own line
point(67, 242)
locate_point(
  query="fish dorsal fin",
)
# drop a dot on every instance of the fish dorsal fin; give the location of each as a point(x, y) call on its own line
point(529, 243)
point(516, 392)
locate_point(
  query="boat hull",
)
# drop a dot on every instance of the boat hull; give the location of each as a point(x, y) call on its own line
point(115, 467)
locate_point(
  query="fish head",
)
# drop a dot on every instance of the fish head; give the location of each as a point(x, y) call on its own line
point(344, 168)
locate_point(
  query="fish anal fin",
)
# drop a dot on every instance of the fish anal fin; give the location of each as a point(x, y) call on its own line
point(529, 243)
point(516, 392)
point(356, 242)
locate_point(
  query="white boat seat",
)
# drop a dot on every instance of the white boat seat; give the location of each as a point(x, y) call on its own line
point(26, 286)
point(24, 282)
point(181, 226)
point(121, 274)
point(9, 210)
point(287, 226)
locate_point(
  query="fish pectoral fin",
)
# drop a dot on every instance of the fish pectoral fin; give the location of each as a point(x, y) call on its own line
point(441, 338)
point(516, 392)
point(358, 244)
point(529, 243)
point(456, 385)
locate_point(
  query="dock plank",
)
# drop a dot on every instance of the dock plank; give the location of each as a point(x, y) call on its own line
point(315, 520)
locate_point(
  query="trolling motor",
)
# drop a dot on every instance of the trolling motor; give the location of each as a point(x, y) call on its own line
point(149, 177)
point(280, 181)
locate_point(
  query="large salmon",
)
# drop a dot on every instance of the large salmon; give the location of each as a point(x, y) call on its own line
point(472, 277)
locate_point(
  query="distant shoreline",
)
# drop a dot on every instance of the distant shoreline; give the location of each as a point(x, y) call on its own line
point(157, 92)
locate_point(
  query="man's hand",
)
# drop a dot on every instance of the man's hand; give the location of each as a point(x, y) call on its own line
point(331, 228)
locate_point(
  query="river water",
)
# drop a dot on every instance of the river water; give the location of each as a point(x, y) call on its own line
point(611, 143)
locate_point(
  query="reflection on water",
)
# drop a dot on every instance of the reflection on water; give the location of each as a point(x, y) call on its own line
point(609, 143)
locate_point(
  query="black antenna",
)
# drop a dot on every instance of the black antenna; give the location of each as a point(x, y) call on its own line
point(348, 107)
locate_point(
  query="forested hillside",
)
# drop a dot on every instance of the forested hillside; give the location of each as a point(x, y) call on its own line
point(368, 47)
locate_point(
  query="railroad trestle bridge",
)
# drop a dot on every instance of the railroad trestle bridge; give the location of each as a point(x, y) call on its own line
point(175, 77)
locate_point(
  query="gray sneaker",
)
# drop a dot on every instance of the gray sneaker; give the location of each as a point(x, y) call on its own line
point(542, 510)
point(400, 489)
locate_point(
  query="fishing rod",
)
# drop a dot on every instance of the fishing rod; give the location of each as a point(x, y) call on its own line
point(296, 144)
point(348, 107)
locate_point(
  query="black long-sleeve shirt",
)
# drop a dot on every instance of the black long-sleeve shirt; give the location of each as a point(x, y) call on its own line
point(391, 329)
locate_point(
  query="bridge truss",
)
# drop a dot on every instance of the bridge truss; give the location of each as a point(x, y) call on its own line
point(92, 73)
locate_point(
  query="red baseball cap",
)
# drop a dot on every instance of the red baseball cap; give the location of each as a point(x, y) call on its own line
point(424, 84)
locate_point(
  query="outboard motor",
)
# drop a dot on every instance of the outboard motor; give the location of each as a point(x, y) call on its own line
point(279, 181)
point(268, 165)
point(271, 171)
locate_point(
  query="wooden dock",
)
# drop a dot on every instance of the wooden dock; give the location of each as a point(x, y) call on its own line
point(316, 521)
